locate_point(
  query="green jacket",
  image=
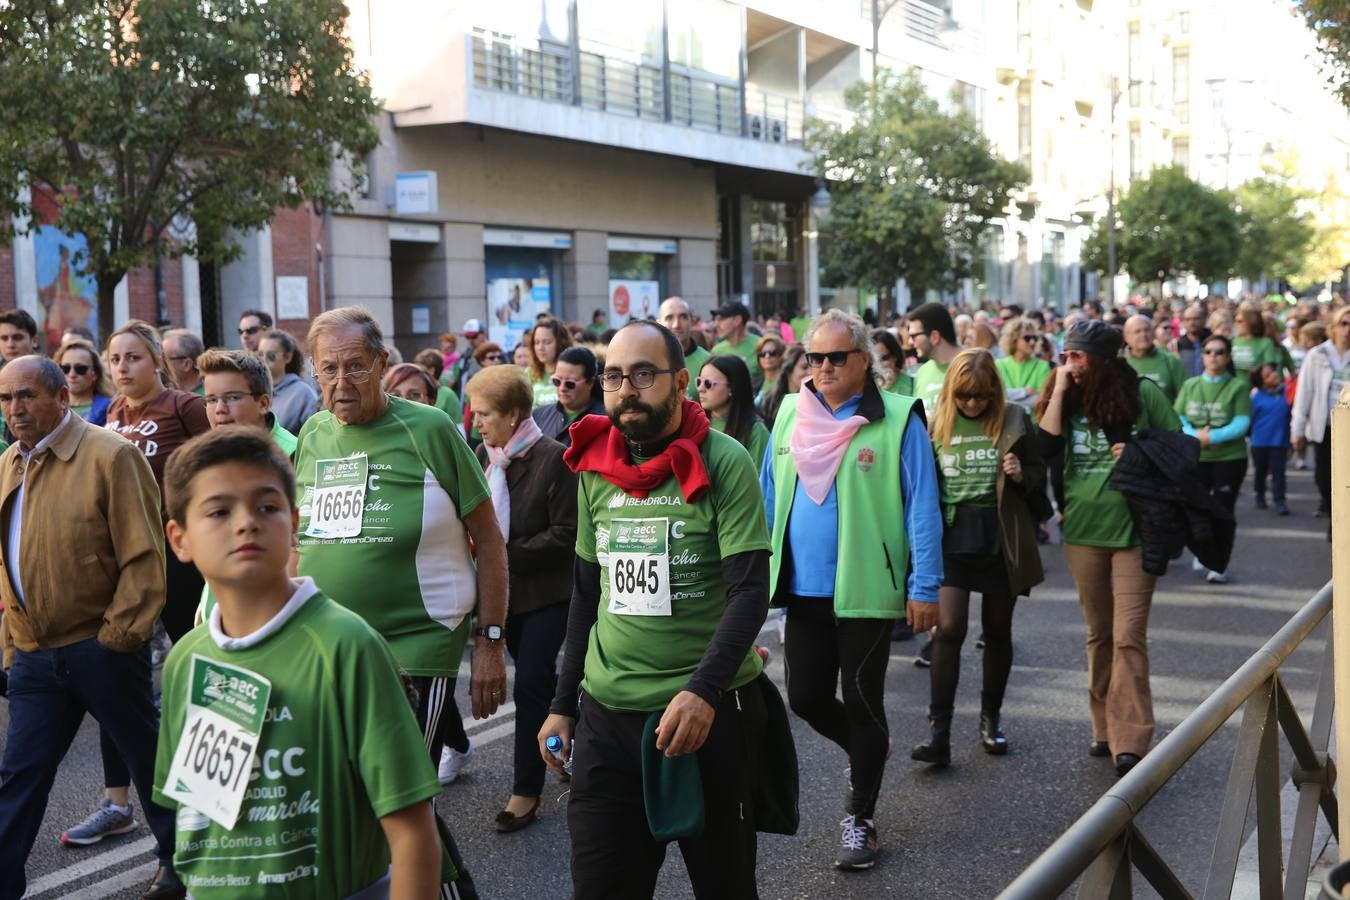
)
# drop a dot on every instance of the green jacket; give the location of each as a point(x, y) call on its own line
point(872, 584)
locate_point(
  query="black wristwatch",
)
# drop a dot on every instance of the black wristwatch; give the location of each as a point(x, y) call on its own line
point(491, 632)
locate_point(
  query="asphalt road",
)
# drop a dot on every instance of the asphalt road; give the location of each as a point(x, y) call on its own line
point(966, 831)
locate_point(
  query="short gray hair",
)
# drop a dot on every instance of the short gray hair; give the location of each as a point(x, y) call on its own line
point(343, 317)
point(192, 342)
point(862, 338)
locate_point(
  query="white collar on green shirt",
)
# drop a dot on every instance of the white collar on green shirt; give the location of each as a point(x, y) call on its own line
point(304, 589)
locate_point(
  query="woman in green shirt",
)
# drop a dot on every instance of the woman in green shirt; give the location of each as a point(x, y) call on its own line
point(1098, 404)
point(1251, 346)
point(1023, 374)
point(547, 341)
point(1216, 408)
point(992, 479)
point(726, 395)
point(887, 364)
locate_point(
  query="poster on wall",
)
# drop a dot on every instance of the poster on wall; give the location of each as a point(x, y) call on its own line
point(633, 300)
point(513, 304)
point(65, 297)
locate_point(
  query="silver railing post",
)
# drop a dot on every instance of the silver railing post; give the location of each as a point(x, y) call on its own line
point(1233, 818)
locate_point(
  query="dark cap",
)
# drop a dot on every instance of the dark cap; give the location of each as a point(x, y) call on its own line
point(1095, 337)
point(732, 309)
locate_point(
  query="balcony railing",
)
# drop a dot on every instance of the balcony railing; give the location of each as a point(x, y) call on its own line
point(552, 72)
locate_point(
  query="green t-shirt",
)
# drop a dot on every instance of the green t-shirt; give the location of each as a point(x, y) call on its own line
point(408, 573)
point(1095, 515)
point(745, 350)
point(800, 326)
point(81, 410)
point(1213, 404)
point(758, 443)
point(1161, 368)
point(928, 385)
point(447, 401)
point(693, 361)
point(969, 465)
point(1023, 379)
point(545, 394)
point(1248, 353)
point(285, 440)
point(339, 749)
point(638, 663)
point(903, 385)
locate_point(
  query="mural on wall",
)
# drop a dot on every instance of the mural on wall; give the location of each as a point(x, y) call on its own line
point(66, 298)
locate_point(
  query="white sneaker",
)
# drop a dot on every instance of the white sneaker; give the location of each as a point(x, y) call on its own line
point(1217, 577)
point(452, 761)
point(1196, 566)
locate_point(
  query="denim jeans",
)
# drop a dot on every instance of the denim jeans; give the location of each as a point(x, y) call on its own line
point(49, 693)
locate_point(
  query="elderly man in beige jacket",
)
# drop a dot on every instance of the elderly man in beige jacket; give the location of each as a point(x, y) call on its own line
point(83, 582)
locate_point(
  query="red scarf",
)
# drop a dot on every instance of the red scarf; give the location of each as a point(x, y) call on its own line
point(597, 446)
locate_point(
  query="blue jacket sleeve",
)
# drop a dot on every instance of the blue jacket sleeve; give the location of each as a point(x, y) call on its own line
point(923, 514)
point(766, 483)
point(1186, 426)
point(1232, 431)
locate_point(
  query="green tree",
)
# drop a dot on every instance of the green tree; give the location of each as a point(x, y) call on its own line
point(1275, 232)
point(912, 189)
point(1167, 225)
point(132, 114)
point(1330, 21)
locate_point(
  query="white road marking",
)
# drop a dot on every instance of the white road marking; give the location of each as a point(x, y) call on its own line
point(89, 866)
point(131, 878)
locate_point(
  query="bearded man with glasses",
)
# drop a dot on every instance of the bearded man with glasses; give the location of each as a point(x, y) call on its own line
point(389, 496)
point(850, 475)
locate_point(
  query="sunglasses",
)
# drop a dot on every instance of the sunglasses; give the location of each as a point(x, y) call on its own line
point(492, 356)
point(971, 398)
point(77, 368)
point(769, 353)
point(837, 358)
point(252, 329)
point(1031, 338)
point(707, 384)
point(566, 383)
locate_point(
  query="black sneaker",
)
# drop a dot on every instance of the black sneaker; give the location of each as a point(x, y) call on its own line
point(901, 631)
point(924, 658)
point(858, 844)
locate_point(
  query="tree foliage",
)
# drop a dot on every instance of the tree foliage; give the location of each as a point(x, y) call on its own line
point(135, 114)
point(1330, 21)
point(912, 188)
point(1275, 231)
point(1167, 225)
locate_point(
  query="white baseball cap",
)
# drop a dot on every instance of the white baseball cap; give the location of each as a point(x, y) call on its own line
point(473, 327)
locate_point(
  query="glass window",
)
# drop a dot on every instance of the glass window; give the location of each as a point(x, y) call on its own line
point(1135, 59)
point(706, 35)
point(1024, 136)
point(630, 29)
point(1181, 152)
point(545, 19)
point(1136, 152)
point(773, 231)
point(1181, 83)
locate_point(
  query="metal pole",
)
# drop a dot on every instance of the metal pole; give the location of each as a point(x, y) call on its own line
point(1111, 203)
point(1340, 579)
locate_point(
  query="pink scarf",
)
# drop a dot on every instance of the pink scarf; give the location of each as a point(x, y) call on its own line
point(819, 441)
point(499, 458)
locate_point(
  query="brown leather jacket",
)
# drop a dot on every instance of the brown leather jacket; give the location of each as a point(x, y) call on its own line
point(91, 557)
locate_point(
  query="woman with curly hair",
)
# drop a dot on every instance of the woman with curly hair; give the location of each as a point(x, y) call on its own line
point(1023, 373)
point(1097, 405)
point(546, 342)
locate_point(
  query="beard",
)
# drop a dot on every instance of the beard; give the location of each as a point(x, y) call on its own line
point(657, 419)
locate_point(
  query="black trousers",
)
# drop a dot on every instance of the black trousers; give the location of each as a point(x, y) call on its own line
point(1224, 478)
point(822, 651)
point(533, 640)
point(1269, 461)
point(182, 592)
point(1322, 467)
point(614, 856)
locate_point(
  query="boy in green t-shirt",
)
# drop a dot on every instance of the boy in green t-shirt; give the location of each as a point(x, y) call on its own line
point(297, 697)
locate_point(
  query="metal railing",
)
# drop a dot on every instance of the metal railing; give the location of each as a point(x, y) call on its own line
point(1106, 844)
point(554, 72)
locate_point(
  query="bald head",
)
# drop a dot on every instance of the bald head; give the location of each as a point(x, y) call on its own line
point(33, 398)
point(674, 314)
point(1139, 335)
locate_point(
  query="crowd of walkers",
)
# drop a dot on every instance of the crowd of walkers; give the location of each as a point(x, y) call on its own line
point(322, 533)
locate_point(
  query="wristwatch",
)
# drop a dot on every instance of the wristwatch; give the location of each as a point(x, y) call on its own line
point(491, 632)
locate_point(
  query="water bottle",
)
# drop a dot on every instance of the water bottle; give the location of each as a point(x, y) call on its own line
point(554, 745)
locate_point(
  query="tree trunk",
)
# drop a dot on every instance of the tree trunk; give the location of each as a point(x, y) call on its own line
point(885, 303)
point(107, 324)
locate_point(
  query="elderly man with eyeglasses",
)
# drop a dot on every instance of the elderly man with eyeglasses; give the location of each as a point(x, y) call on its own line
point(390, 495)
point(850, 475)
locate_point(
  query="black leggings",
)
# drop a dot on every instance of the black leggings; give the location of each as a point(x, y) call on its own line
point(996, 612)
point(821, 650)
point(1322, 467)
point(1224, 478)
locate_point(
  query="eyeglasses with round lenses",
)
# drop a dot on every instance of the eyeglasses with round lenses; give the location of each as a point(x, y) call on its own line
point(707, 384)
point(565, 383)
point(640, 379)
